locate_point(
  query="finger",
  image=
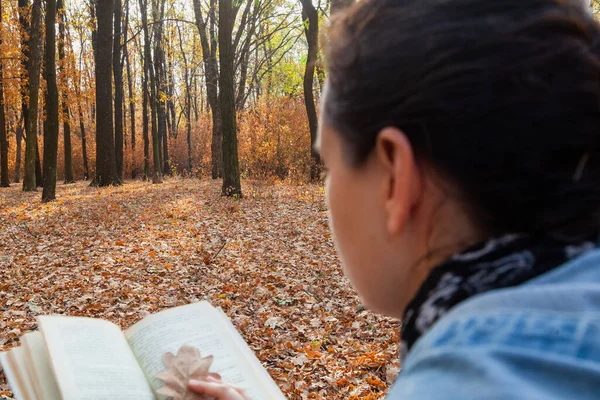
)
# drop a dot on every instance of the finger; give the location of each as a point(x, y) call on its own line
point(218, 390)
point(217, 379)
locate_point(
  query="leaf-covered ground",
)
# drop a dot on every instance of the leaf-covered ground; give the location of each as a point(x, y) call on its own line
point(268, 260)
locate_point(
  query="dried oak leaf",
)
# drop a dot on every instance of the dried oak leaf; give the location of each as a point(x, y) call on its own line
point(186, 365)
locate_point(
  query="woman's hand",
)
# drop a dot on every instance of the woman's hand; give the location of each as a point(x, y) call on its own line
point(218, 389)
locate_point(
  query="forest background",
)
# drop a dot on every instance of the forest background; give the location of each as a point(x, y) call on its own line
point(138, 89)
point(107, 107)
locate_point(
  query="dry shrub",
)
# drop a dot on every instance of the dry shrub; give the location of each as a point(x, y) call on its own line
point(273, 144)
point(274, 141)
point(201, 143)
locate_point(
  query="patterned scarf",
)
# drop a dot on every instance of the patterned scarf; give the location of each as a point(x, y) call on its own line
point(498, 263)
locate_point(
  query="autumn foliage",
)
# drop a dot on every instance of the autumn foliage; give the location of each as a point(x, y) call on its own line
point(273, 144)
point(268, 260)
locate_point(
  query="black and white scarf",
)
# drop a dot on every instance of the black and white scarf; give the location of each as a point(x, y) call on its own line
point(498, 263)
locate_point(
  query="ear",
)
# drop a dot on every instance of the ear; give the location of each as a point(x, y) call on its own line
point(402, 182)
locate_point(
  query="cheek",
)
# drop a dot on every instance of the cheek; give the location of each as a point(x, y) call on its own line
point(339, 201)
point(358, 225)
point(352, 228)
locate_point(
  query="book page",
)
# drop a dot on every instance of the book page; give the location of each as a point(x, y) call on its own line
point(13, 363)
point(92, 360)
point(250, 356)
point(40, 369)
point(197, 325)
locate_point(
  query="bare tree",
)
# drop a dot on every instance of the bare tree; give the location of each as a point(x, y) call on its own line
point(19, 139)
point(242, 49)
point(151, 83)
point(4, 179)
point(188, 101)
point(310, 17)
point(77, 82)
point(231, 171)
point(206, 28)
point(130, 79)
point(106, 167)
point(30, 110)
point(62, 16)
point(119, 92)
point(158, 11)
point(51, 105)
point(145, 115)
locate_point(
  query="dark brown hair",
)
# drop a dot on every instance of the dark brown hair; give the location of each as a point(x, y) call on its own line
point(500, 97)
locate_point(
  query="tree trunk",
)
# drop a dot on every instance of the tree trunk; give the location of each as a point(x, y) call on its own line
point(311, 30)
point(25, 31)
point(119, 93)
point(39, 177)
point(86, 169)
point(67, 145)
point(106, 167)
point(151, 84)
point(240, 100)
point(244, 61)
point(197, 93)
point(30, 111)
point(130, 79)
point(188, 102)
point(243, 54)
point(171, 114)
point(161, 88)
point(19, 138)
point(51, 106)
point(231, 171)
point(65, 108)
point(4, 179)
point(211, 72)
point(131, 101)
point(145, 124)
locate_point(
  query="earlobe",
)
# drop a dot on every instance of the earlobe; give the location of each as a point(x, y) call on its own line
point(395, 156)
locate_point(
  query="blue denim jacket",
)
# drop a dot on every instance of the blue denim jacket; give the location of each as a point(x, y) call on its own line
point(539, 340)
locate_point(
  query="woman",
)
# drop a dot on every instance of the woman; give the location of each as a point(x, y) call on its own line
point(462, 142)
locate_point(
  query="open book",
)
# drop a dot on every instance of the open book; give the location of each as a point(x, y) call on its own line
point(84, 358)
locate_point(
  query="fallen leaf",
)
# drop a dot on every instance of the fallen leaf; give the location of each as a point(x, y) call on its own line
point(181, 368)
point(390, 373)
point(278, 272)
point(274, 322)
point(300, 360)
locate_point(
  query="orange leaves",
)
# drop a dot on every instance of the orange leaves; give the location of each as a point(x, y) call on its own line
point(312, 354)
point(374, 381)
point(370, 360)
point(94, 307)
point(266, 260)
point(343, 381)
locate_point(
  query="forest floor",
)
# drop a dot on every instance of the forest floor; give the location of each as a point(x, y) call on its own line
point(267, 260)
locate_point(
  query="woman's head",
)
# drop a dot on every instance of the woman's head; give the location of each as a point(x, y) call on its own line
point(449, 121)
